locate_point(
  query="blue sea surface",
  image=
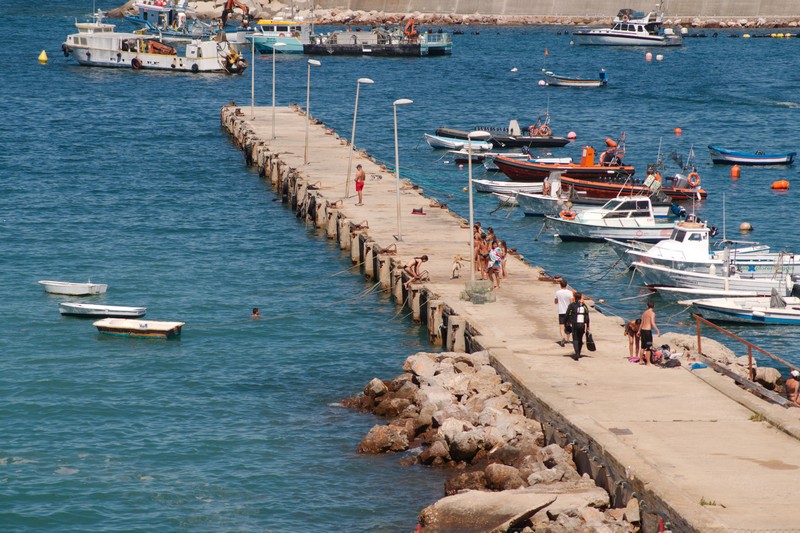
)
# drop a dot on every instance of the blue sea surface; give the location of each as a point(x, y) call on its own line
point(125, 177)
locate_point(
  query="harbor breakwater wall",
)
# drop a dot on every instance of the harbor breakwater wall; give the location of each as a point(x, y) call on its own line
point(723, 9)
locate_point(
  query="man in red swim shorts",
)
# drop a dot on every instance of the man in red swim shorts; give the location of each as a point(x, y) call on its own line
point(361, 177)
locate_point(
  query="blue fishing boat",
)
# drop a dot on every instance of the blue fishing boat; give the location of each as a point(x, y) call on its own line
point(734, 157)
point(169, 19)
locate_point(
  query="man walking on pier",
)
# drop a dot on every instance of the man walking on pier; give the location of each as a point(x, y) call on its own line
point(361, 177)
point(578, 318)
point(563, 299)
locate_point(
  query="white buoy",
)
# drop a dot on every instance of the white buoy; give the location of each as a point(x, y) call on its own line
point(515, 69)
point(542, 83)
point(648, 56)
point(659, 57)
point(572, 135)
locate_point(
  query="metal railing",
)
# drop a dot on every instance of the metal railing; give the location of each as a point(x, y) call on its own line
point(699, 321)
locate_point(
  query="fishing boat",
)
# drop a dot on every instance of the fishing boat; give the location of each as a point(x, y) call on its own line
point(461, 157)
point(553, 200)
point(537, 135)
point(738, 280)
point(383, 41)
point(725, 156)
point(169, 20)
point(439, 142)
point(97, 44)
point(567, 81)
point(631, 28)
point(127, 327)
point(99, 310)
point(292, 34)
point(609, 166)
point(772, 309)
point(506, 187)
point(621, 218)
point(73, 289)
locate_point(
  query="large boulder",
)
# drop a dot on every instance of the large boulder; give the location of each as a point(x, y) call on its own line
point(475, 480)
point(383, 439)
point(437, 454)
point(503, 477)
point(475, 511)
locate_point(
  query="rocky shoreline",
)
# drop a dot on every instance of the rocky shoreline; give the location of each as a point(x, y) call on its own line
point(212, 9)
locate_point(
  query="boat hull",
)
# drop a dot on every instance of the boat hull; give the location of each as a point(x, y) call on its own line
point(73, 289)
point(504, 140)
point(616, 187)
point(124, 327)
point(100, 311)
point(623, 229)
point(506, 187)
point(656, 275)
point(539, 205)
point(601, 37)
point(731, 157)
point(529, 171)
point(745, 311)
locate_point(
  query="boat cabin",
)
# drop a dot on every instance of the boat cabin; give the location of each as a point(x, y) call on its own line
point(283, 28)
point(628, 207)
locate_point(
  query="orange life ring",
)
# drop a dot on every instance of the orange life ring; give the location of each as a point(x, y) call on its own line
point(567, 215)
point(281, 34)
point(533, 131)
point(693, 179)
point(544, 131)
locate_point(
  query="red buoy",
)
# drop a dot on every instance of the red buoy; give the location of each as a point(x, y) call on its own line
point(735, 171)
point(780, 185)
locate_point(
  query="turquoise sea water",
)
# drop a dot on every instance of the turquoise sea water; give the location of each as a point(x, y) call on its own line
point(126, 178)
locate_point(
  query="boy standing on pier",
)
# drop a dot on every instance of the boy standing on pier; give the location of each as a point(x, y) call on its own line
point(361, 177)
point(646, 333)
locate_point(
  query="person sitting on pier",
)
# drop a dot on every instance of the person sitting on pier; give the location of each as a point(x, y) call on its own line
point(793, 388)
point(412, 268)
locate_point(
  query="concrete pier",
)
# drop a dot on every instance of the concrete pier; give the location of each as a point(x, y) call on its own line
point(699, 454)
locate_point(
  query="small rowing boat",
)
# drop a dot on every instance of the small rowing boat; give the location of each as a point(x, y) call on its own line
point(568, 81)
point(73, 289)
point(724, 156)
point(98, 310)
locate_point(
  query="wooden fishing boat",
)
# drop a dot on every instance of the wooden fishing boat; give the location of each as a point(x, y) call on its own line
point(506, 187)
point(73, 289)
point(676, 188)
point(450, 143)
point(537, 135)
point(567, 81)
point(127, 327)
point(725, 156)
point(100, 310)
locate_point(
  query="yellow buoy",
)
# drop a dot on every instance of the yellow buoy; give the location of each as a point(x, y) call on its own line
point(43, 57)
point(745, 226)
point(746, 36)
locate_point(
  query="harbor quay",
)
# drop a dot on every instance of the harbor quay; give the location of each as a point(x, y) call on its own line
point(698, 452)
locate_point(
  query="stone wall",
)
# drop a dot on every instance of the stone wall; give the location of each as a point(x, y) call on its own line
point(575, 8)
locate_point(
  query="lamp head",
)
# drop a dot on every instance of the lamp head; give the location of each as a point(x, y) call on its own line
point(365, 80)
point(403, 101)
point(314, 62)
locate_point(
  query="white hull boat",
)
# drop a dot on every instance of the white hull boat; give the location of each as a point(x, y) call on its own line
point(100, 311)
point(625, 218)
point(127, 327)
point(631, 29)
point(507, 200)
point(73, 289)
point(657, 275)
point(772, 309)
point(97, 44)
point(569, 81)
point(683, 293)
point(506, 187)
point(436, 141)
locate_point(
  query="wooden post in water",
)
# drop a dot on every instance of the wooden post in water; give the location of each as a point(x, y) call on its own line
point(385, 271)
point(456, 326)
point(435, 310)
point(369, 259)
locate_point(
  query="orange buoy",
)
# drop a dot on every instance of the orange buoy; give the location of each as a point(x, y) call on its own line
point(780, 184)
point(611, 143)
point(678, 131)
point(735, 171)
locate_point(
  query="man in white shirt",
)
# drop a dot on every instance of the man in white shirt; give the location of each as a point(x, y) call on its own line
point(563, 299)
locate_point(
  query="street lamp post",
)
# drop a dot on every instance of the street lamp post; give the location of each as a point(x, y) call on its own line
point(353, 136)
point(274, 46)
point(253, 77)
point(402, 101)
point(477, 135)
point(311, 62)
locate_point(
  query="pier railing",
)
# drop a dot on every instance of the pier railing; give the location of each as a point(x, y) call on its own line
point(700, 321)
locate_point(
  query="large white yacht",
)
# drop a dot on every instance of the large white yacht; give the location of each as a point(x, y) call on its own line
point(631, 28)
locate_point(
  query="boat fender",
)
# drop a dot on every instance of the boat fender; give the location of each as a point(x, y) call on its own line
point(88, 56)
point(65, 49)
point(136, 63)
point(567, 215)
point(657, 176)
point(195, 68)
point(544, 131)
point(693, 179)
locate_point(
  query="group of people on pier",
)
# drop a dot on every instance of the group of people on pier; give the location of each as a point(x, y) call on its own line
point(490, 255)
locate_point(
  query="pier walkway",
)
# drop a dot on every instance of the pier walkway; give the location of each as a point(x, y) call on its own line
point(696, 450)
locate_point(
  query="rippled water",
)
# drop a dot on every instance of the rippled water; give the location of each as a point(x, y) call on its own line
point(126, 177)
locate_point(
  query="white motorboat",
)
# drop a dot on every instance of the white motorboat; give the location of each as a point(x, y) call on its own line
point(688, 248)
point(631, 28)
point(506, 187)
point(684, 293)
point(773, 309)
point(97, 44)
point(127, 327)
point(99, 310)
point(73, 289)
point(505, 199)
point(437, 141)
point(663, 276)
point(555, 80)
point(624, 218)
